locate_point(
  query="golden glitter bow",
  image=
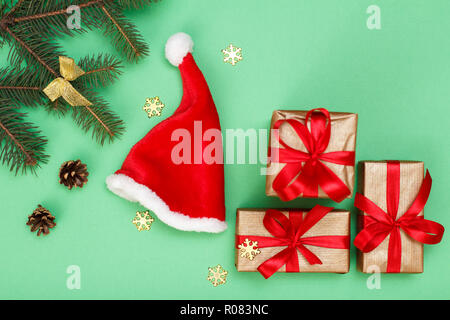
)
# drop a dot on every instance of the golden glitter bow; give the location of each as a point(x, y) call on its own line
point(61, 87)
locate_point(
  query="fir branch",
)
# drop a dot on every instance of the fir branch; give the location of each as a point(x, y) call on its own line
point(21, 86)
point(36, 50)
point(100, 71)
point(16, 6)
point(5, 21)
point(30, 27)
point(52, 8)
point(49, 20)
point(126, 37)
point(59, 107)
point(21, 144)
point(104, 123)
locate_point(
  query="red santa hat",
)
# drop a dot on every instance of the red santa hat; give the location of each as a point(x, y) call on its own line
point(186, 196)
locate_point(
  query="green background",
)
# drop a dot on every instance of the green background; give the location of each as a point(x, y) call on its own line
point(297, 54)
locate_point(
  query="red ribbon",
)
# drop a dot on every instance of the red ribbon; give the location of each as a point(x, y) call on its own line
point(307, 178)
point(379, 224)
point(288, 232)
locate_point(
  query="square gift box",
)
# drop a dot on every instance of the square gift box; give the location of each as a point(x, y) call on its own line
point(312, 161)
point(292, 240)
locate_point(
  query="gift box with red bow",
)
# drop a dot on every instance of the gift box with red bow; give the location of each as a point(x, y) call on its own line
point(292, 240)
point(391, 225)
point(311, 154)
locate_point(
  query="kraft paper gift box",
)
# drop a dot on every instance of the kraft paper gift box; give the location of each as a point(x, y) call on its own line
point(391, 196)
point(323, 241)
point(342, 139)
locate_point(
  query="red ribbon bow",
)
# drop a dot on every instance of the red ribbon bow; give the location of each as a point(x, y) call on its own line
point(288, 232)
point(379, 224)
point(307, 178)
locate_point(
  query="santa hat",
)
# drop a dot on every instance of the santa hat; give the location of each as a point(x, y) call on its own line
point(186, 196)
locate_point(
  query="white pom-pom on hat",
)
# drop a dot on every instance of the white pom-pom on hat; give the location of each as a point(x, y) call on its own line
point(177, 47)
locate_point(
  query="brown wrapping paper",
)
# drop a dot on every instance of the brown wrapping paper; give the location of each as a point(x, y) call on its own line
point(250, 222)
point(372, 184)
point(343, 138)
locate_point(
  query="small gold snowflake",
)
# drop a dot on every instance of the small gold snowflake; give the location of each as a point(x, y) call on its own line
point(217, 275)
point(153, 107)
point(249, 249)
point(232, 54)
point(143, 220)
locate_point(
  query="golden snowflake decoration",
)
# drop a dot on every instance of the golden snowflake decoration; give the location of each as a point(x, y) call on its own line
point(143, 220)
point(217, 275)
point(153, 107)
point(249, 249)
point(232, 54)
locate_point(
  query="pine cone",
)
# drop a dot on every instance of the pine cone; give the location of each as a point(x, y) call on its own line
point(73, 174)
point(41, 219)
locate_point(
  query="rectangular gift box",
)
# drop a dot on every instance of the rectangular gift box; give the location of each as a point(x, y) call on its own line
point(372, 182)
point(249, 222)
point(342, 138)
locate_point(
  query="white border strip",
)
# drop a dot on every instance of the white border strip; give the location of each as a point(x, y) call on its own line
point(129, 189)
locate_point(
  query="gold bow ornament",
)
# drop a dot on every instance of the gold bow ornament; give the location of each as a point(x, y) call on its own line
point(61, 87)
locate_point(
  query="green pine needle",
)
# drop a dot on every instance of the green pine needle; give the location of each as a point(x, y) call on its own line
point(126, 38)
point(104, 123)
point(22, 148)
point(100, 71)
point(59, 107)
point(39, 53)
point(21, 86)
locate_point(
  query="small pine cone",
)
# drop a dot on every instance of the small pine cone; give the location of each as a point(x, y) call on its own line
point(73, 174)
point(41, 220)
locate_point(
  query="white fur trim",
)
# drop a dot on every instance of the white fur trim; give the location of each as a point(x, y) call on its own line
point(129, 189)
point(177, 47)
